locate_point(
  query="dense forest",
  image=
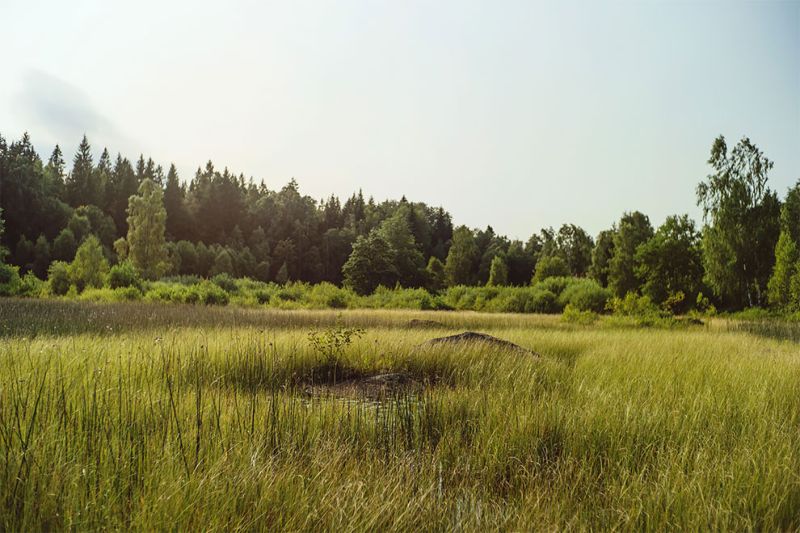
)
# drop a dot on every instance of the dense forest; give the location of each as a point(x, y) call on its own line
point(113, 211)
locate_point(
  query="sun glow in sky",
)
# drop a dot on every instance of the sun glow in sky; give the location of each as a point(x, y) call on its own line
point(515, 114)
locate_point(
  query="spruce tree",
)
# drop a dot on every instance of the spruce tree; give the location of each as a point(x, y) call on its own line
point(146, 226)
point(80, 186)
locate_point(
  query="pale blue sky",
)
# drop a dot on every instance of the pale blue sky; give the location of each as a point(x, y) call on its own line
point(514, 114)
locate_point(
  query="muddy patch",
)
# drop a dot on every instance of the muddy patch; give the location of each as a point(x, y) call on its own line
point(474, 338)
point(377, 387)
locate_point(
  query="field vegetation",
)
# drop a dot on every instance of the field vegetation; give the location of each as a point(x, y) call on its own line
point(141, 416)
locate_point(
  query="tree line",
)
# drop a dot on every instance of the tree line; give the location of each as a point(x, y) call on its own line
point(114, 211)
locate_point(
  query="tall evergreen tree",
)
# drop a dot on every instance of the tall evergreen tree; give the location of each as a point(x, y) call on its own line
point(82, 186)
point(175, 203)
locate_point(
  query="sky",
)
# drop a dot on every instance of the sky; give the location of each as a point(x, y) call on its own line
point(514, 114)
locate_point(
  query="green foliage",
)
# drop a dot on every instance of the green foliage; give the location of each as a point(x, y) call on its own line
point(65, 246)
point(575, 246)
point(225, 282)
point(3, 250)
point(41, 256)
point(89, 268)
point(550, 267)
point(786, 254)
point(369, 265)
point(223, 264)
point(58, 279)
point(437, 278)
point(332, 342)
point(121, 248)
point(404, 254)
point(124, 275)
point(634, 230)
point(640, 309)
point(146, 222)
point(10, 282)
point(282, 276)
point(498, 273)
point(671, 262)
point(573, 315)
point(584, 294)
point(107, 294)
point(742, 216)
point(205, 292)
point(31, 286)
point(461, 258)
point(602, 253)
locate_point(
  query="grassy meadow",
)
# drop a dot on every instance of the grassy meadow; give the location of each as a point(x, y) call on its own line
point(145, 416)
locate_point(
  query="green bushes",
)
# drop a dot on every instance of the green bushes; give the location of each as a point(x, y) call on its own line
point(58, 278)
point(205, 292)
point(551, 295)
point(10, 282)
point(124, 275)
point(584, 295)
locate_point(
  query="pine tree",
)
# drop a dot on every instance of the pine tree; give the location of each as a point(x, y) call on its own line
point(81, 187)
point(175, 204)
point(54, 173)
point(146, 226)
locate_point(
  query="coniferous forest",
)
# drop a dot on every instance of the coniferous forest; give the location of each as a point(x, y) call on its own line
point(80, 222)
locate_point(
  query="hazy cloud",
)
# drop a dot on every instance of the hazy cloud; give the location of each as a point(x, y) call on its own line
point(63, 112)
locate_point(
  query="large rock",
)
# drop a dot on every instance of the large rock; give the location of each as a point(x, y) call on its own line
point(475, 338)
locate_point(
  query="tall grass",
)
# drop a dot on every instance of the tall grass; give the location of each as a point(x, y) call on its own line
point(199, 420)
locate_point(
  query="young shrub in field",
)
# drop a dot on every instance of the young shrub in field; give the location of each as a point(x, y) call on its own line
point(89, 268)
point(124, 275)
point(331, 343)
point(58, 278)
